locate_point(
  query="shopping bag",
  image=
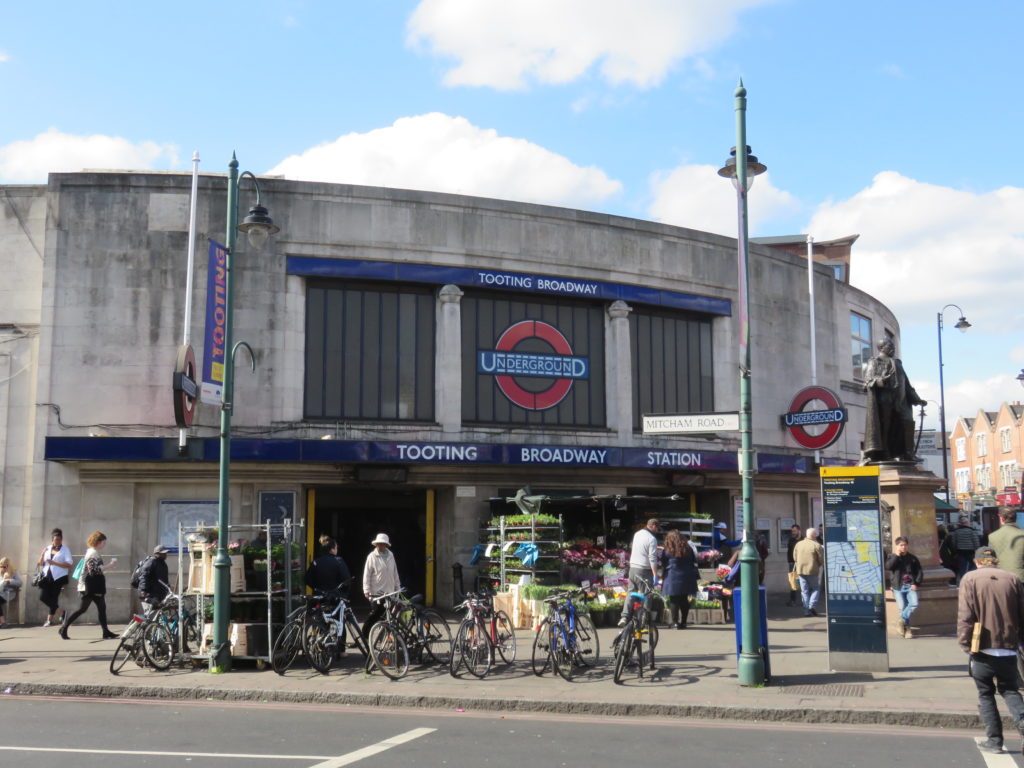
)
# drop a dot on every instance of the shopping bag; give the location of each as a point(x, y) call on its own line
point(794, 581)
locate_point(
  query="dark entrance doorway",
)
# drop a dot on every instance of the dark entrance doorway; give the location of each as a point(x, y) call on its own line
point(354, 516)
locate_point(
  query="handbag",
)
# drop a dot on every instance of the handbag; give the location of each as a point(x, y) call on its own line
point(77, 573)
point(794, 581)
point(38, 578)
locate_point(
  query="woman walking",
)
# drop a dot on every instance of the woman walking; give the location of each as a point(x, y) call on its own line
point(680, 577)
point(55, 564)
point(92, 585)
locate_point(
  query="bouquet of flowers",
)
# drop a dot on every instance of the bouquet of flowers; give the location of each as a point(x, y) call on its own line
point(708, 558)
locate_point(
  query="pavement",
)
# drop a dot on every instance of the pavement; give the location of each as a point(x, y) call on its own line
point(927, 684)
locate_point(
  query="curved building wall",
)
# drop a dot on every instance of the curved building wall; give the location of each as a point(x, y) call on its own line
point(416, 279)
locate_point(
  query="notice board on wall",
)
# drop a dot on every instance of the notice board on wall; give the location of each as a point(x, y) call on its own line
point(854, 569)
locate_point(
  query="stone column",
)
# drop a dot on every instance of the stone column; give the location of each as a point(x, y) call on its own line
point(910, 493)
point(448, 363)
point(619, 373)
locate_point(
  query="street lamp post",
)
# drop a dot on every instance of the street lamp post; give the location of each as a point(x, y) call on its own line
point(741, 168)
point(961, 325)
point(258, 226)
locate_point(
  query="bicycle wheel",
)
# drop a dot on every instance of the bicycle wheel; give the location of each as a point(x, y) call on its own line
point(355, 633)
point(505, 637)
point(388, 650)
point(191, 632)
point(652, 634)
point(458, 649)
point(157, 645)
point(124, 651)
point(588, 647)
point(561, 654)
point(477, 652)
point(319, 643)
point(436, 636)
point(540, 657)
point(623, 651)
point(286, 646)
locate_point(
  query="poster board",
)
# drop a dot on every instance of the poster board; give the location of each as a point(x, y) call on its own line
point(854, 569)
point(173, 512)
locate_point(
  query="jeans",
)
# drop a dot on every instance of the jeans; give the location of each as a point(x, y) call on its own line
point(809, 587)
point(992, 673)
point(906, 601)
point(966, 563)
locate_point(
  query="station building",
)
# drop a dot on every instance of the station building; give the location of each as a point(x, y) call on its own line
point(418, 358)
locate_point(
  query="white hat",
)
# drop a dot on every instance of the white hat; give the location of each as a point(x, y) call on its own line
point(382, 538)
point(721, 525)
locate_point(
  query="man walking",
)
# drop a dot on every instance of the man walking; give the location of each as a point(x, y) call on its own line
point(795, 534)
point(643, 564)
point(809, 557)
point(1008, 542)
point(990, 628)
point(965, 542)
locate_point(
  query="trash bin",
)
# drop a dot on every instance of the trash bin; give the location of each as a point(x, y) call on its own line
point(763, 641)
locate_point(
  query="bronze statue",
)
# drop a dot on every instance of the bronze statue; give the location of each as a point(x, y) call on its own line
point(889, 431)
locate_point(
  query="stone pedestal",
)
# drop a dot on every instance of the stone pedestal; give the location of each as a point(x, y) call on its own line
point(910, 493)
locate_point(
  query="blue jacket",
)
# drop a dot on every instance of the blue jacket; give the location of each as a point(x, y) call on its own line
point(680, 574)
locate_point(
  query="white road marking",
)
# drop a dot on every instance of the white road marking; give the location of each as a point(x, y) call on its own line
point(1002, 760)
point(373, 749)
point(135, 752)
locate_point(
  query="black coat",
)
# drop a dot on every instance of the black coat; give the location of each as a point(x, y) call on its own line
point(328, 573)
point(152, 578)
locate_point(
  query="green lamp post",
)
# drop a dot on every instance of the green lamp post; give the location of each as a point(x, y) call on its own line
point(741, 168)
point(258, 226)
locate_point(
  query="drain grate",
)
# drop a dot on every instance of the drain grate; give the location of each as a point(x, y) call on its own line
point(842, 690)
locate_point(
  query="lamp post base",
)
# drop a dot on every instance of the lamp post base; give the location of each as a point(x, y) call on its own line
point(750, 670)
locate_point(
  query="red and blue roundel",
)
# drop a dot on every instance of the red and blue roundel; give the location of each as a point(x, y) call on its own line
point(517, 362)
point(826, 423)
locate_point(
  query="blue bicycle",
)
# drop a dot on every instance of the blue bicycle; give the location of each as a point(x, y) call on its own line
point(566, 639)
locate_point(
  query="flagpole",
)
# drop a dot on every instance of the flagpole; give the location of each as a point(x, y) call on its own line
point(186, 336)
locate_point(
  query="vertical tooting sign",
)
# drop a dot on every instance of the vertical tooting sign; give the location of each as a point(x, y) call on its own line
point(854, 570)
point(213, 339)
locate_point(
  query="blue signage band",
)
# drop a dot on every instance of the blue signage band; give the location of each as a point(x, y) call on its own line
point(311, 266)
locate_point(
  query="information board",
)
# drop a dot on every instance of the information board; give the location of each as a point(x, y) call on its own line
point(854, 569)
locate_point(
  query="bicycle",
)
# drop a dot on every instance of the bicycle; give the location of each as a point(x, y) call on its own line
point(640, 627)
point(566, 639)
point(176, 618)
point(288, 642)
point(324, 628)
point(408, 632)
point(482, 632)
point(130, 646)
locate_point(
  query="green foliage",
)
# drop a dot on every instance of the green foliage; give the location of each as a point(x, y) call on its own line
point(524, 520)
point(536, 592)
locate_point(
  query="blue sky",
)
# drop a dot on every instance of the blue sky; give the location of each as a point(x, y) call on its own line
point(897, 121)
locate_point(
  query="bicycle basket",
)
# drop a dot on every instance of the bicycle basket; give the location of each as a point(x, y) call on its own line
point(653, 602)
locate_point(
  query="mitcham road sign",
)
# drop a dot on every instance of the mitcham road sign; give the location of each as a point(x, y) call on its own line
point(683, 423)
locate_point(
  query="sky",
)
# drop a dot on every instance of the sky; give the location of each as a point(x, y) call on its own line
point(897, 121)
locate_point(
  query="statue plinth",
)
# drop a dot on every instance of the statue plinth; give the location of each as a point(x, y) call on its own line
point(911, 494)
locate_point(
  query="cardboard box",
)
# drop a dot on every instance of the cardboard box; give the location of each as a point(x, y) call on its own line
point(202, 574)
point(239, 636)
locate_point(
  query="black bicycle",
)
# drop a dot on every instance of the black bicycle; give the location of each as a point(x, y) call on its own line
point(407, 633)
point(330, 616)
point(640, 629)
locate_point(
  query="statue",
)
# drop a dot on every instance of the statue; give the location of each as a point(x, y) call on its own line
point(889, 430)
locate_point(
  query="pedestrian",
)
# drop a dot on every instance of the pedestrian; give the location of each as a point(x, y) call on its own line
point(964, 541)
point(1008, 542)
point(154, 578)
point(329, 575)
point(679, 578)
point(55, 564)
point(947, 553)
point(761, 544)
point(809, 557)
point(905, 577)
point(990, 629)
point(795, 534)
point(720, 538)
point(380, 577)
point(10, 586)
point(643, 564)
point(92, 585)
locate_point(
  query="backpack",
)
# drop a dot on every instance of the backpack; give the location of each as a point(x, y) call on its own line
point(137, 573)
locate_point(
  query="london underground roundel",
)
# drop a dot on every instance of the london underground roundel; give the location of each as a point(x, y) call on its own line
point(512, 366)
point(816, 417)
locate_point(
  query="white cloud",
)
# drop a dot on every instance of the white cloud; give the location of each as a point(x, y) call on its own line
point(923, 246)
point(31, 160)
point(4, 57)
point(695, 196)
point(449, 154)
point(504, 44)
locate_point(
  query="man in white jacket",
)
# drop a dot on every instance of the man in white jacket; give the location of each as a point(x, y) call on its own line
point(380, 577)
point(643, 564)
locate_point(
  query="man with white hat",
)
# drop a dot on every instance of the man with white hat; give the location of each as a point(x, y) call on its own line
point(380, 577)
